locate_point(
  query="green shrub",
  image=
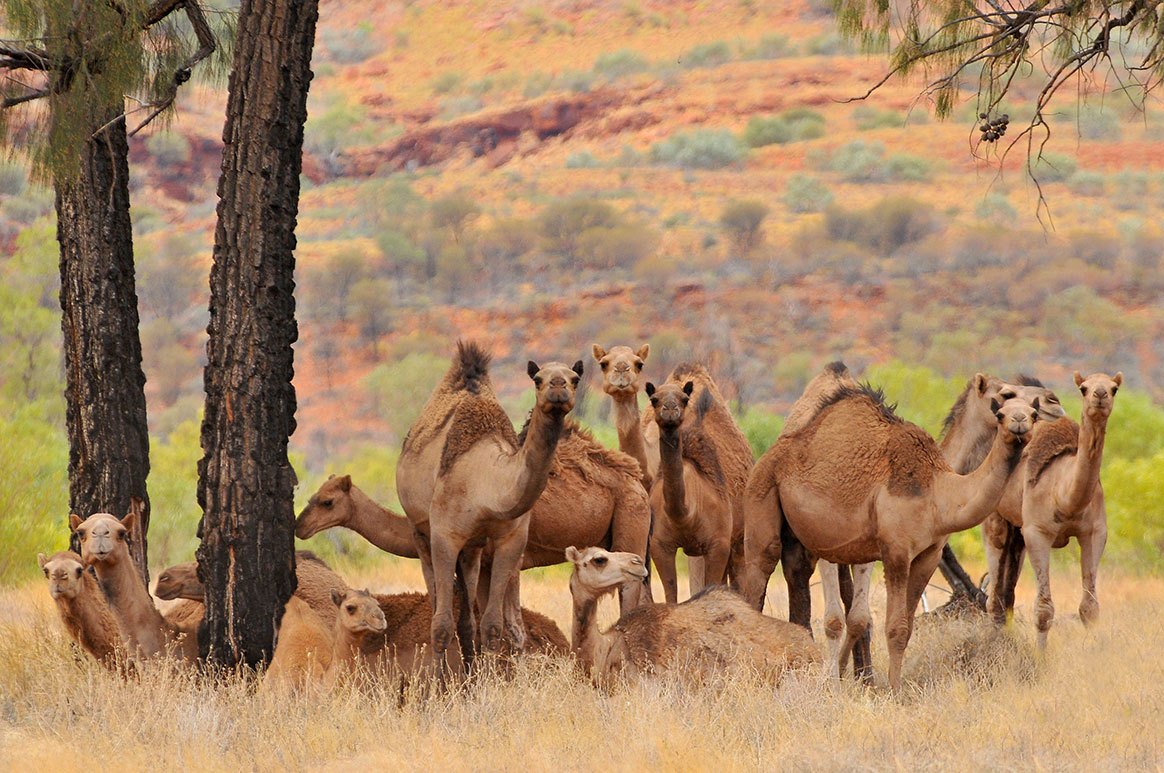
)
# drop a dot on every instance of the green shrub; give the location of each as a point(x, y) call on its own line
point(455, 107)
point(699, 149)
point(773, 46)
point(996, 207)
point(761, 428)
point(743, 222)
point(806, 194)
point(830, 44)
point(453, 213)
point(582, 160)
point(620, 246)
point(447, 82)
point(1131, 189)
point(859, 161)
point(707, 55)
point(352, 46)
point(536, 84)
point(168, 148)
point(481, 87)
point(908, 167)
point(1053, 167)
point(1086, 182)
point(618, 64)
point(577, 81)
point(1094, 122)
point(789, 126)
point(867, 118)
point(13, 178)
point(563, 222)
point(887, 226)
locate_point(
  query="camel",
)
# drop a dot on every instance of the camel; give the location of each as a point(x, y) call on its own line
point(358, 640)
point(82, 606)
point(857, 484)
point(105, 547)
point(709, 632)
point(303, 650)
point(463, 480)
point(621, 367)
point(1061, 497)
point(592, 496)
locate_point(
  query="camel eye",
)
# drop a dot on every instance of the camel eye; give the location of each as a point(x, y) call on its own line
point(1053, 399)
point(600, 561)
point(1007, 395)
point(1083, 390)
point(77, 571)
point(604, 364)
point(654, 400)
point(46, 572)
point(351, 609)
point(1114, 389)
point(326, 503)
point(639, 365)
point(574, 381)
point(538, 382)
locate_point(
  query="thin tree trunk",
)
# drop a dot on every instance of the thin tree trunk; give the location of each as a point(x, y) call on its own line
point(104, 382)
point(245, 482)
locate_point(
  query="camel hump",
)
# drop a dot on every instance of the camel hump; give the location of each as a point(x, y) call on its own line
point(475, 418)
point(470, 368)
point(837, 368)
point(308, 555)
point(1050, 440)
point(864, 391)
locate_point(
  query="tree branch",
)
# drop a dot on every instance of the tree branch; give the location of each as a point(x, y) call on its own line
point(206, 46)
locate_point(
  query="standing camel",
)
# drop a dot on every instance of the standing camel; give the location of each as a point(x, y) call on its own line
point(463, 480)
point(621, 367)
point(859, 484)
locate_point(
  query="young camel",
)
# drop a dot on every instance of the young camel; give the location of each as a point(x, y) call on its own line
point(1060, 496)
point(707, 633)
point(463, 480)
point(105, 547)
point(858, 484)
point(84, 611)
point(592, 496)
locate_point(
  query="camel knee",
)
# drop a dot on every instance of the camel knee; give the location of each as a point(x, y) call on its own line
point(1044, 615)
point(1089, 608)
point(997, 609)
point(897, 636)
point(443, 630)
point(834, 623)
point(858, 623)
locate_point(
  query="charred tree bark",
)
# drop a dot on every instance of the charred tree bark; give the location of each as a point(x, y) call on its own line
point(245, 482)
point(104, 382)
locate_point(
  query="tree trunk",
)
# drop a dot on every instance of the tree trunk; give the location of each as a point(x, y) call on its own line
point(245, 482)
point(104, 383)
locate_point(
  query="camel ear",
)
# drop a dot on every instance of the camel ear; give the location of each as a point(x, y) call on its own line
point(345, 483)
point(337, 598)
point(1078, 379)
point(129, 519)
point(688, 388)
point(1119, 379)
point(643, 351)
point(329, 477)
point(572, 554)
point(994, 406)
point(980, 383)
point(598, 352)
point(532, 368)
point(42, 559)
point(650, 389)
point(578, 367)
point(75, 521)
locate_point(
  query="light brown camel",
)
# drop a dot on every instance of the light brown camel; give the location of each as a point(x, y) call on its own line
point(621, 367)
point(1061, 497)
point(463, 480)
point(359, 645)
point(858, 484)
point(715, 630)
point(592, 496)
point(303, 650)
point(105, 547)
point(697, 494)
point(82, 606)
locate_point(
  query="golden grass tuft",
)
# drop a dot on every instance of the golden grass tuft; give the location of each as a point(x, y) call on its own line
point(975, 697)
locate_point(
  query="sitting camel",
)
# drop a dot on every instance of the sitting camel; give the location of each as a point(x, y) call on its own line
point(1059, 496)
point(463, 480)
point(105, 547)
point(84, 611)
point(857, 484)
point(710, 632)
point(592, 496)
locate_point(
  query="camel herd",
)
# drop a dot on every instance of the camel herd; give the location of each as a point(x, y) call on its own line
point(847, 483)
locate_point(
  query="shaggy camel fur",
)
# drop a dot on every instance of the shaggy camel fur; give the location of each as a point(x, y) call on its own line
point(463, 480)
point(84, 611)
point(621, 367)
point(710, 632)
point(1059, 496)
point(105, 547)
point(592, 496)
point(858, 484)
point(303, 650)
point(967, 433)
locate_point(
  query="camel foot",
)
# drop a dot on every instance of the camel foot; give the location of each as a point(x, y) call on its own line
point(443, 631)
point(1088, 610)
point(492, 634)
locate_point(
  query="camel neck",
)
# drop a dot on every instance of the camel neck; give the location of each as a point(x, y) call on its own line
point(385, 529)
point(530, 466)
point(1085, 471)
point(964, 501)
point(627, 422)
point(585, 638)
point(966, 447)
point(133, 608)
point(671, 473)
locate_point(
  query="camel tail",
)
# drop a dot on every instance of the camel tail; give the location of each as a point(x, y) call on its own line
point(470, 367)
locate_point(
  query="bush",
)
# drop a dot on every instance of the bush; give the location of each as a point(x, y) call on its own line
point(168, 148)
point(761, 428)
point(773, 46)
point(743, 222)
point(453, 212)
point(908, 167)
point(699, 149)
point(455, 107)
point(506, 240)
point(1087, 183)
point(806, 194)
point(859, 161)
point(582, 160)
point(789, 126)
point(400, 253)
point(830, 44)
point(621, 246)
point(400, 389)
point(13, 178)
point(707, 55)
point(887, 226)
point(577, 81)
point(562, 223)
point(620, 63)
point(996, 207)
point(536, 84)
point(1131, 190)
point(1096, 249)
point(1093, 122)
point(867, 118)
point(447, 82)
point(354, 46)
point(369, 308)
point(1053, 167)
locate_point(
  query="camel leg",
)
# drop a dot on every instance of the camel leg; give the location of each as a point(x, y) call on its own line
point(507, 553)
point(629, 534)
point(761, 553)
point(797, 565)
point(1039, 551)
point(994, 543)
point(665, 565)
point(424, 552)
point(484, 578)
point(857, 623)
point(1091, 547)
point(468, 571)
point(715, 564)
point(445, 553)
point(514, 624)
point(897, 622)
point(696, 571)
point(834, 616)
point(1014, 550)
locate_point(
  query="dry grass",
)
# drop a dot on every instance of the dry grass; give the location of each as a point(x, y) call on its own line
point(974, 698)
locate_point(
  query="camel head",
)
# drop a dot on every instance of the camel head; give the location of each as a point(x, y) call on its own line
point(556, 384)
point(64, 572)
point(359, 613)
point(1016, 418)
point(985, 389)
point(180, 581)
point(600, 571)
point(1098, 391)
point(669, 402)
point(104, 537)
point(330, 506)
point(621, 367)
